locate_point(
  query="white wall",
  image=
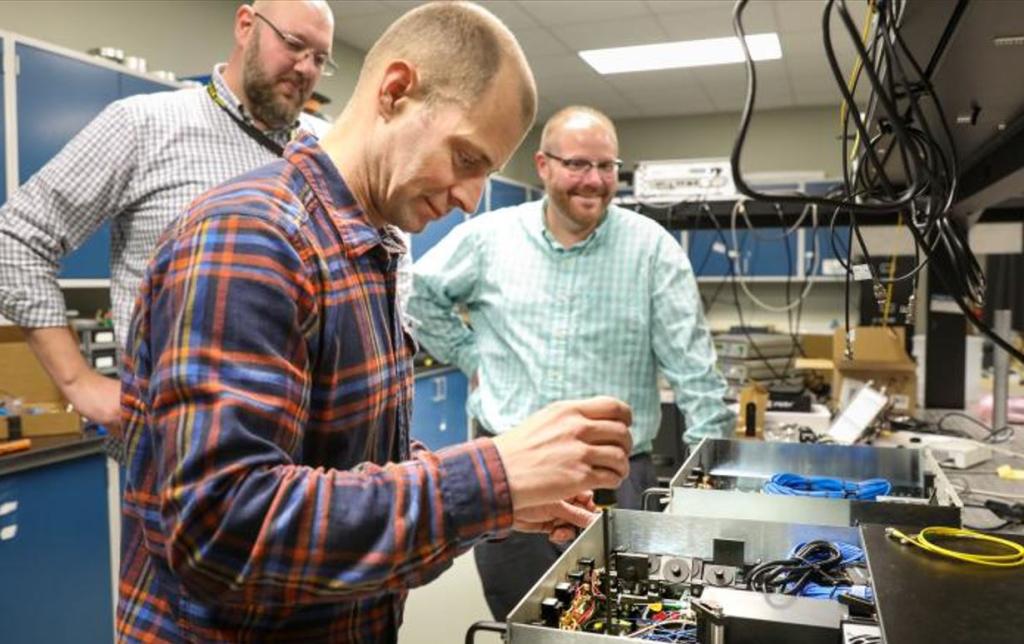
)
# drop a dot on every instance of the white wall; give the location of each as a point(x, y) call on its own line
point(779, 140)
point(184, 36)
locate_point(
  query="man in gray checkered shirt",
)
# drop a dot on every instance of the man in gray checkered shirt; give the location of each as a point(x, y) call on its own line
point(139, 164)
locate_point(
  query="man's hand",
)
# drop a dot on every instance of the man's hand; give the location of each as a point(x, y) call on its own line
point(565, 449)
point(96, 397)
point(558, 520)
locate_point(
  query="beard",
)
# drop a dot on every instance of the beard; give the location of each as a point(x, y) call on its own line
point(563, 202)
point(266, 105)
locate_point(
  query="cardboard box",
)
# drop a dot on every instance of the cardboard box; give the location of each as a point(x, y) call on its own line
point(880, 357)
point(44, 409)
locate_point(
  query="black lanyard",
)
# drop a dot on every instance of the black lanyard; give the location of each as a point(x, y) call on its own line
point(254, 133)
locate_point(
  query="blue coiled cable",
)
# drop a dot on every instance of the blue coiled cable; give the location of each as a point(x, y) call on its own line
point(826, 487)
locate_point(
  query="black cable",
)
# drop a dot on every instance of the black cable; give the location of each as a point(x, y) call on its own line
point(1000, 435)
point(817, 562)
point(896, 87)
point(491, 627)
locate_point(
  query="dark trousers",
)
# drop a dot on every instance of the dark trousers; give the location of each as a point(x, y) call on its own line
point(510, 568)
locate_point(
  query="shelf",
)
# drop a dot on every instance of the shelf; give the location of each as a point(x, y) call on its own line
point(84, 283)
point(773, 279)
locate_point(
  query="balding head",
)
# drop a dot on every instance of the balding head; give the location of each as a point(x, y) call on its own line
point(316, 10)
point(575, 117)
point(280, 52)
point(458, 50)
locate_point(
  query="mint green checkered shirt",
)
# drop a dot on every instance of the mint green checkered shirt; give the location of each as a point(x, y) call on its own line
point(549, 323)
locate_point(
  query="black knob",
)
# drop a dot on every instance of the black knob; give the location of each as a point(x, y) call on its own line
point(604, 498)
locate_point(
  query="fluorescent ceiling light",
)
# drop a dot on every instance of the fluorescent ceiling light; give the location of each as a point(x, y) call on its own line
point(685, 53)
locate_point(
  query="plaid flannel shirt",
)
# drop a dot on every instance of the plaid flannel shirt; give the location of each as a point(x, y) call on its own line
point(272, 492)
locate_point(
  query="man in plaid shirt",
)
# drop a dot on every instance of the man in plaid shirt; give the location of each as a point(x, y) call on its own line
point(272, 491)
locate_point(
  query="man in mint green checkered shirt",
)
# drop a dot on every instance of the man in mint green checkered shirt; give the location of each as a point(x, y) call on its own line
point(568, 297)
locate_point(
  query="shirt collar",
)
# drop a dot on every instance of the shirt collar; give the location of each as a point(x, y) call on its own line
point(594, 239)
point(281, 135)
point(357, 233)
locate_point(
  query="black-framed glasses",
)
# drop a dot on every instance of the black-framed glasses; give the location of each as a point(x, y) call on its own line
point(581, 166)
point(299, 49)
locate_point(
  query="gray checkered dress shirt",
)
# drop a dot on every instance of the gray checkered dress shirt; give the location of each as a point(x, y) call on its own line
point(138, 164)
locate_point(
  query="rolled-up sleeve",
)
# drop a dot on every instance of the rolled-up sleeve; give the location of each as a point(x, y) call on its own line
point(683, 346)
point(57, 209)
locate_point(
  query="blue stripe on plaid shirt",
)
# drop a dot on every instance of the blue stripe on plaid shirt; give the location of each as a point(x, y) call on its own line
point(271, 487)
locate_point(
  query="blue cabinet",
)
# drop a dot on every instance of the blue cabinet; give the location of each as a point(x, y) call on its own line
point(434, 232)
point(709, 253)
point(58, 96)
point(132, 85)
point(439, 409)
point(768, 252)
point(829, 264)
point(55, 581)
point(760, 253)
point(505, 193)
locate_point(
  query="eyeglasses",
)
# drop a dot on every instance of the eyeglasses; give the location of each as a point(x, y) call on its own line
point(299, 49)
point(580, 166)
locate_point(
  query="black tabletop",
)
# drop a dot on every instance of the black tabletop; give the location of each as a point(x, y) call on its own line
point(923, 598)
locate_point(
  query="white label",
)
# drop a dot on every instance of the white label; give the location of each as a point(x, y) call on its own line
point(861, 272)
point(10, 507)
point(832, 267)
point(943, 305)
point(104, 361)
point(718, 247)
point(103, 336)
point(8, 532)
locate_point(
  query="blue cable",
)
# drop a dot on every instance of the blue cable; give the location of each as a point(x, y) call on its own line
point(817, 591)
point(788, 484)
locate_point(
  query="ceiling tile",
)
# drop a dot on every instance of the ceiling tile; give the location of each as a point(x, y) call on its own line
point(566, 12)
point(557, 65)
point(617, 33)
point(726, 85)
point(800, 15)
point(540, 42)
point(651, 85)
point(804, 56)
point(511, 13)
point(677, 6)
point(717, 22)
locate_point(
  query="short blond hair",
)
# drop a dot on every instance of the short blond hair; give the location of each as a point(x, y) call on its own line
point(554, 125)
point(458, 49)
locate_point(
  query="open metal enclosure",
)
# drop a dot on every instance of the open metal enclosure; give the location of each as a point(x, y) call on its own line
point(746, 617)
point(723, 478)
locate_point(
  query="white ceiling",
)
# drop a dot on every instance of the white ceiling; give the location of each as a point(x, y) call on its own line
point(551, 32)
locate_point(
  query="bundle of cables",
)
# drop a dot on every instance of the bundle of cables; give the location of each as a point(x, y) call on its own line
point(813, 569)
point(786, 483)
point(902, 161)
